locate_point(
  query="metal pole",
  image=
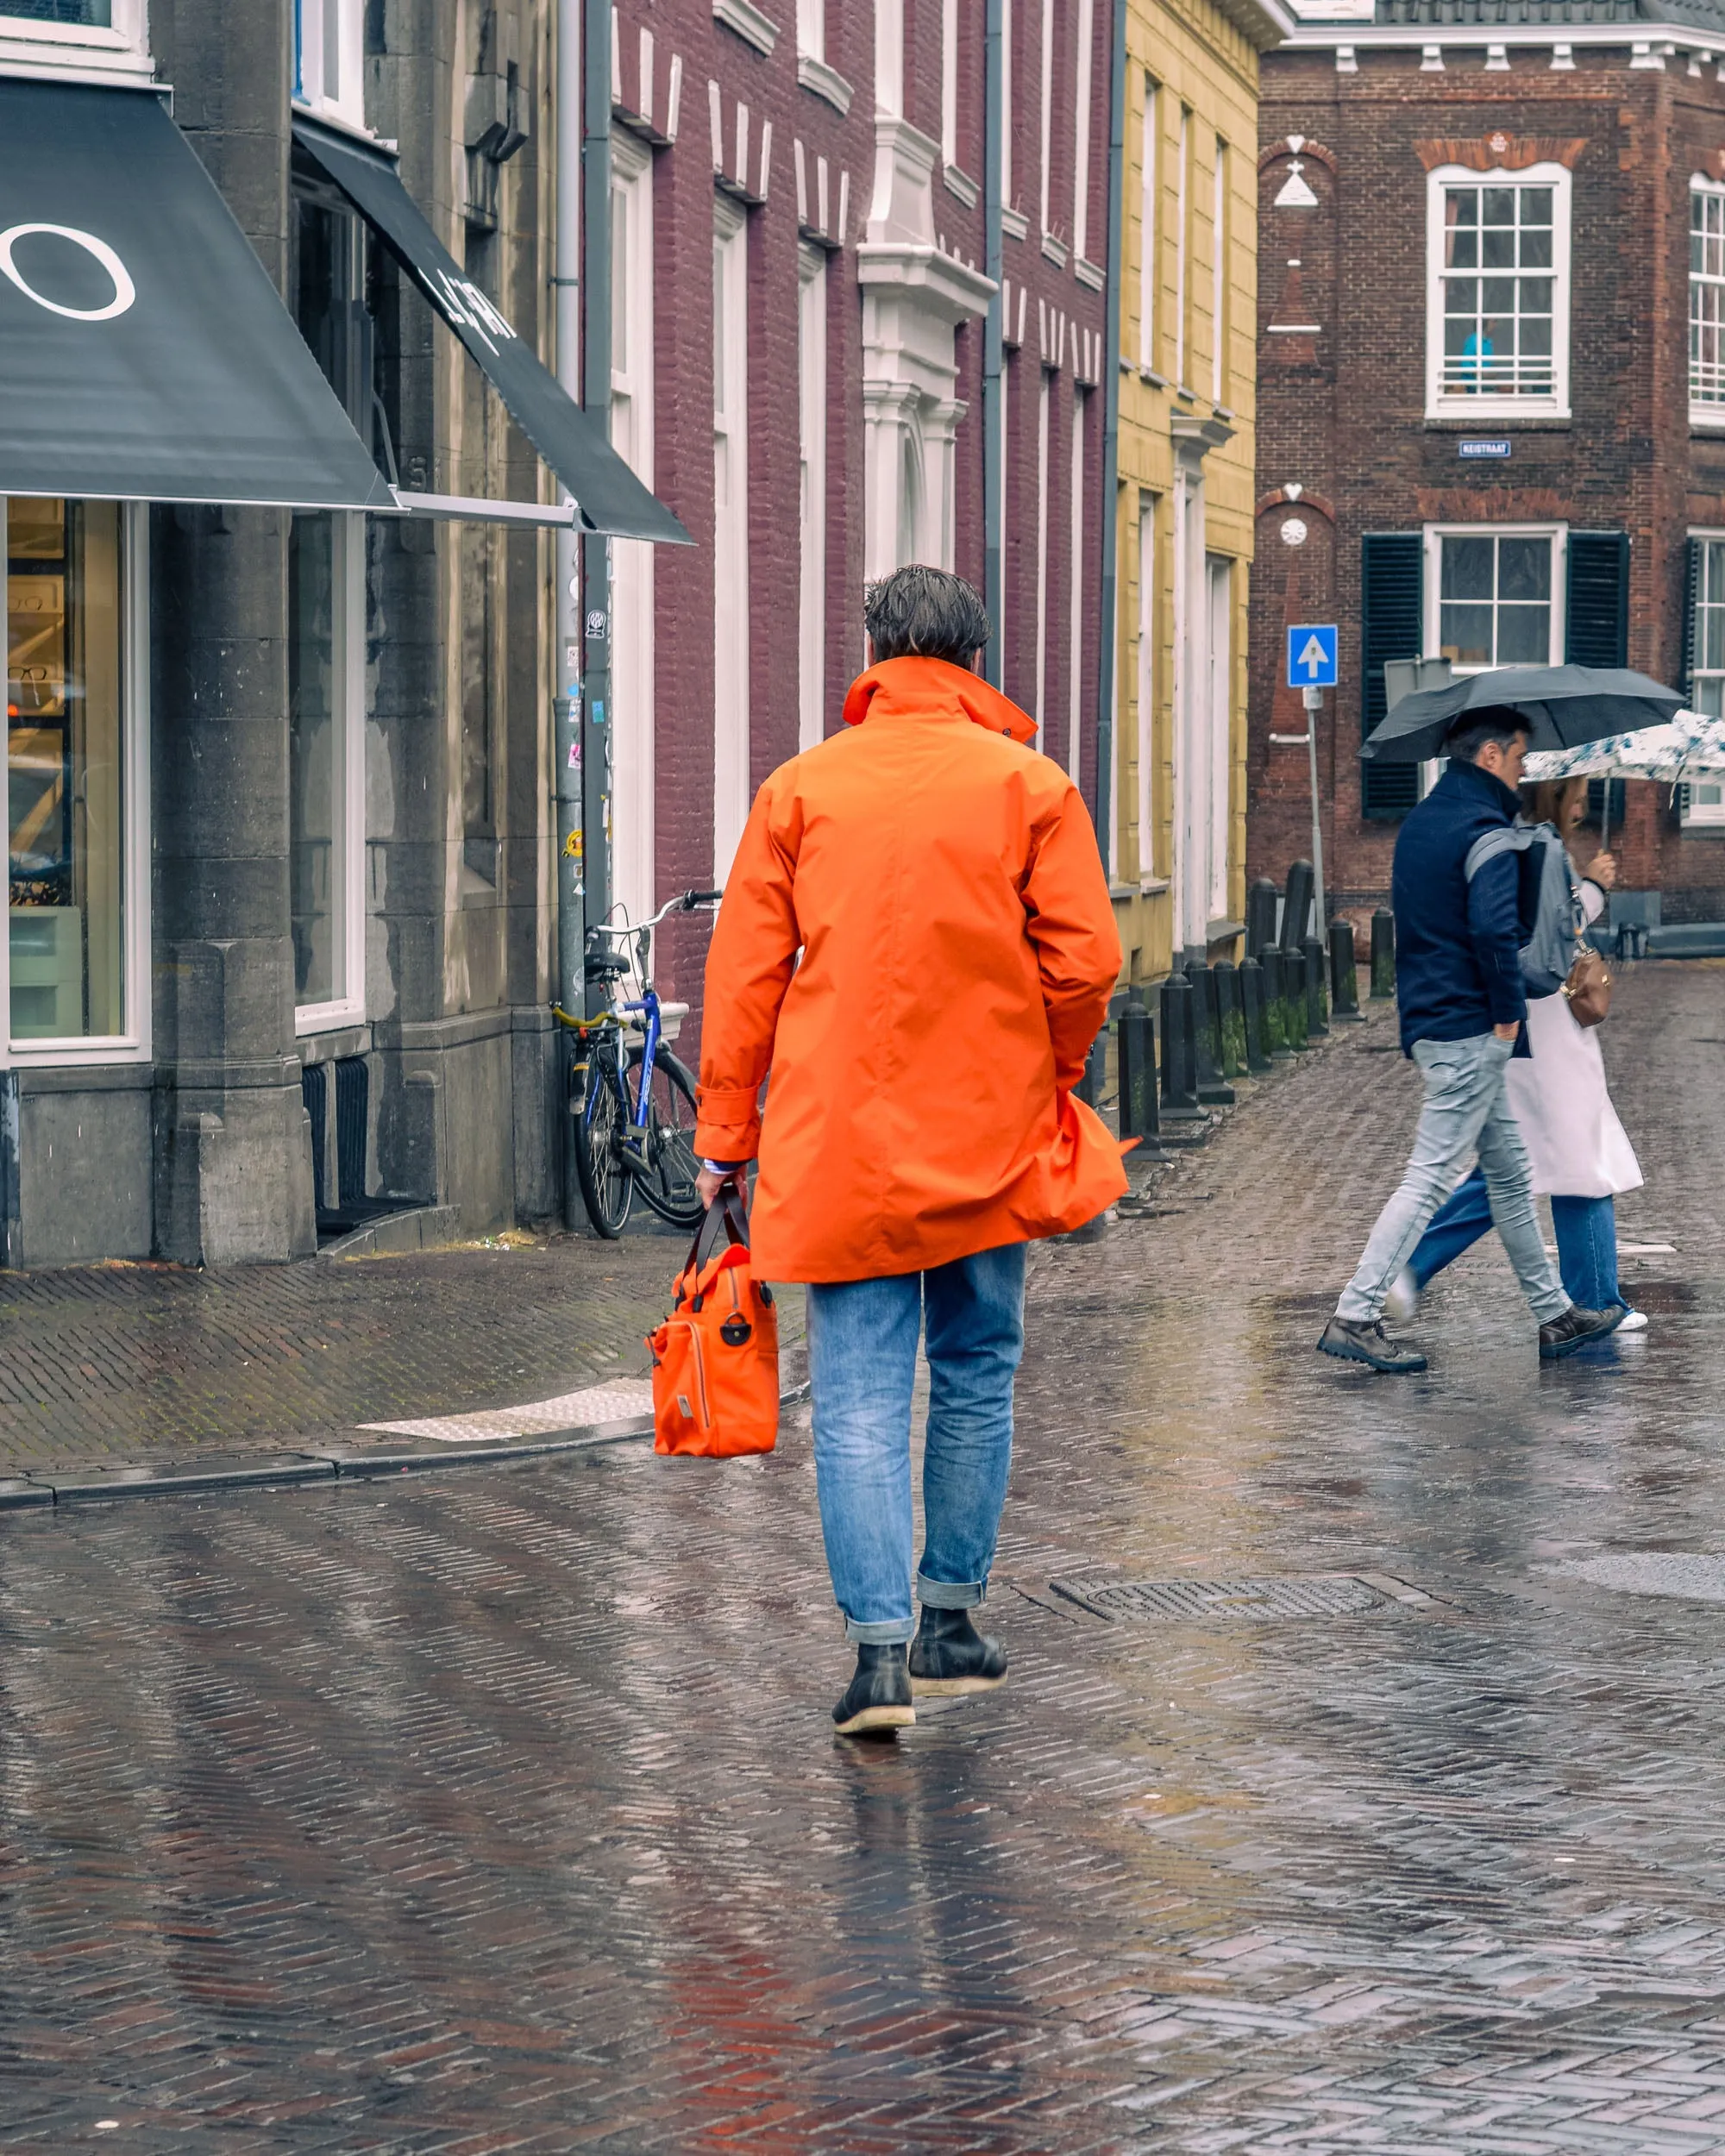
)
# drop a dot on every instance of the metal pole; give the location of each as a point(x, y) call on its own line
point(993, 354)
point(566, 737)
point(1111, 446)
point(596, 730)
point(1314, 703)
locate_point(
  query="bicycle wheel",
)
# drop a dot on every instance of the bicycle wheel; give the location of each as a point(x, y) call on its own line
point(667, 1180)
point(606, 1184)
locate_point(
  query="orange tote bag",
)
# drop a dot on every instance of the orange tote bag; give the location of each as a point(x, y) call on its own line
point(715, 1357)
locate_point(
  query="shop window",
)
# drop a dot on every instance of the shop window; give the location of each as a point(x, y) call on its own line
point(328, 52)
point(1706, 303)
point(326, 767)
point(80, 36)
point(1491, 598)
point(77, 943)
point(1498, 327)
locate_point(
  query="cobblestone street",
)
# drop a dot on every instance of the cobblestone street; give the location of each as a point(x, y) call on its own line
point(498, 1810)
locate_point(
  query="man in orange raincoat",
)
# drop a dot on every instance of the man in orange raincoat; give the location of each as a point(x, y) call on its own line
point(916, 942)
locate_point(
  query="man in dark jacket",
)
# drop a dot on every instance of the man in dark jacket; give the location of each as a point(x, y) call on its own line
point(1459, 939)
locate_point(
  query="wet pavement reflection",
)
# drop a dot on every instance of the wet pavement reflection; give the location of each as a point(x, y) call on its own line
point(498, 1810)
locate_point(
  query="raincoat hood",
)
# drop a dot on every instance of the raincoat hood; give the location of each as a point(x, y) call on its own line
point(935, 688)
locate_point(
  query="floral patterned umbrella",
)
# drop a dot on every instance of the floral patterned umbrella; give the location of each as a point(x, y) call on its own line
point(1688, 745)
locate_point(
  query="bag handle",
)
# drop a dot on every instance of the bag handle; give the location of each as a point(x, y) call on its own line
point(724, 1211)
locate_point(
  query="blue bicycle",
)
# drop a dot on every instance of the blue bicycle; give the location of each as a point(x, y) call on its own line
point(632, 1103)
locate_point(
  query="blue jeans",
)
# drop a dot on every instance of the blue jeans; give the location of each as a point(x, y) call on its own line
point(863, 1344)
point(1466, 1111)
point(1587, 1242)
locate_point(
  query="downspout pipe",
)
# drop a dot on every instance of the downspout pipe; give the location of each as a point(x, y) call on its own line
point(1108, 641)
point(596, 401)
point(566, 612)
point(994, 353)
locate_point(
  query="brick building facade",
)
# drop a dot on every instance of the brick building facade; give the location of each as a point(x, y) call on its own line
point(1528, 465)
point(817, 193)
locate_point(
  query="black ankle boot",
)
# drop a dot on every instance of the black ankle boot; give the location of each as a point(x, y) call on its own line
point(949, 1655)
point(879, 1697)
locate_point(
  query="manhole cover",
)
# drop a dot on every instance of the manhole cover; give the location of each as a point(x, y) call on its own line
point(1250, 1602)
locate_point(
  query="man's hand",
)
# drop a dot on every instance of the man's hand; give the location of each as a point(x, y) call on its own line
point(1508, 1032)
point(710, 1181)
point(1603, 870)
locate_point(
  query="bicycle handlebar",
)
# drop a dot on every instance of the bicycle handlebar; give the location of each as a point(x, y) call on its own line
point(686, 902)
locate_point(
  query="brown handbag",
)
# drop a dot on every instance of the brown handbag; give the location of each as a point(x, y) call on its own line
point(1588, 988)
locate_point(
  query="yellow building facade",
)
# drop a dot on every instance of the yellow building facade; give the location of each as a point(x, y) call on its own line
point(1188, 338)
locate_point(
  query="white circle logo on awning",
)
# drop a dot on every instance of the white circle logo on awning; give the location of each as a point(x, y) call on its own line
point(125, 291)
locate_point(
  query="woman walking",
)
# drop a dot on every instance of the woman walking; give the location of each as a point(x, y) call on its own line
point(1581, 1155)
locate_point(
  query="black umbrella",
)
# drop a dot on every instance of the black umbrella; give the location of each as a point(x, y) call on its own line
point(1561, 706)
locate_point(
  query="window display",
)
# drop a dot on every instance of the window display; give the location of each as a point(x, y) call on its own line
point(65, 769)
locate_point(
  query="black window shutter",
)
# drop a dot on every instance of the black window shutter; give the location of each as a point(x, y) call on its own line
point(1691, 596)
point(1392, 626)
point(1596, 616)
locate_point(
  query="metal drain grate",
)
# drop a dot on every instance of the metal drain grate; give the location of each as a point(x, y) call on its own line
point(1234, 1601)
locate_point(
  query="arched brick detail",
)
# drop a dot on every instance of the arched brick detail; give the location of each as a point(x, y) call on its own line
point(1295, 505)
point(1498, 151)
point(1268, 155)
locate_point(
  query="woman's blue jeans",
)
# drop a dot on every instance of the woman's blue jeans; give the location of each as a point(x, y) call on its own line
point(1587, 1241)
point(863, 1344)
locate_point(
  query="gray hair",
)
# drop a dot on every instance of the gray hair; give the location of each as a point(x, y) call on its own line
point(919, 612)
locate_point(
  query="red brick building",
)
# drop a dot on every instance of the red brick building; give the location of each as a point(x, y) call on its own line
point(799, 306)
point(1491, 402)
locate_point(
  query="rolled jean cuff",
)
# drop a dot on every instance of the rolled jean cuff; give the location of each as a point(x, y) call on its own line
point(890, 1632)
point(950, 1593)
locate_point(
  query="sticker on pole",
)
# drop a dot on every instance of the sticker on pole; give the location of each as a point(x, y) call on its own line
point(1312, 656)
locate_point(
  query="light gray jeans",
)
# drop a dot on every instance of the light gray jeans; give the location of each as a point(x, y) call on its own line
point(1466, 1111)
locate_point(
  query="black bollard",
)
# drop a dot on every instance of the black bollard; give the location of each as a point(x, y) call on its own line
point(1344, 984)
point(1231, 1010)
point(1207, 1021)
point(1293, 997)
point(1317, 989)
point(1296, 906)
point(1260, 918)
point(1091, 1087)
point(1383, 955)
point(1275, 1014)
point(1135, 1053)
point(1179, 1053)
point(1253, 1012)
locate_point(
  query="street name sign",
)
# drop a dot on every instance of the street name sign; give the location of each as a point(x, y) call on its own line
point(1312, 656)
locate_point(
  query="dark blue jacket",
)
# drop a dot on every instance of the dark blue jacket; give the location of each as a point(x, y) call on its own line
point(1457, 944)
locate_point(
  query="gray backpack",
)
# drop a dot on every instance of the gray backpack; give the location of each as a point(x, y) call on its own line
point(1559, 921)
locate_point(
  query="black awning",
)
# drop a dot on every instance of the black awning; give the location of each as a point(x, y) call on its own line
point(144, 353)
point(610, 497)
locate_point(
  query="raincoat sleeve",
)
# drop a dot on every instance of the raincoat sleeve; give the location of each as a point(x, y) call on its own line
point(748, 967)
point(1070, 923)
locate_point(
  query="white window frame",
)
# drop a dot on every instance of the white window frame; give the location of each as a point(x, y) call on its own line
point(1043, 420)
point(1219, 277)
point(812, 410)
point(1183, 215)
point(949, 84)
point(1706, 414)
point(1149, 223)
point(1434, 536)
point(1704, 816)
point(78, 48)
point(134, 1044)
point(1218, 608)
point(890, 57)
point(811, 29)
point(313, 22)
point(1147, 598)
point(1440, 404)
point(1081, 130)
point(347, 777)
point(1047, 111)
point(633, 735)
point(731, 670)
point(1075, 578)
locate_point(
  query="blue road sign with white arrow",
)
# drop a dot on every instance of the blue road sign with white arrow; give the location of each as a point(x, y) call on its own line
point(1312, 656)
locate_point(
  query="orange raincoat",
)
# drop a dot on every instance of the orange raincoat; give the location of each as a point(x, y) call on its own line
point(942, 882)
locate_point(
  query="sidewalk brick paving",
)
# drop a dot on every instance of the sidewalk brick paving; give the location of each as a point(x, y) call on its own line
point(497, 1810)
